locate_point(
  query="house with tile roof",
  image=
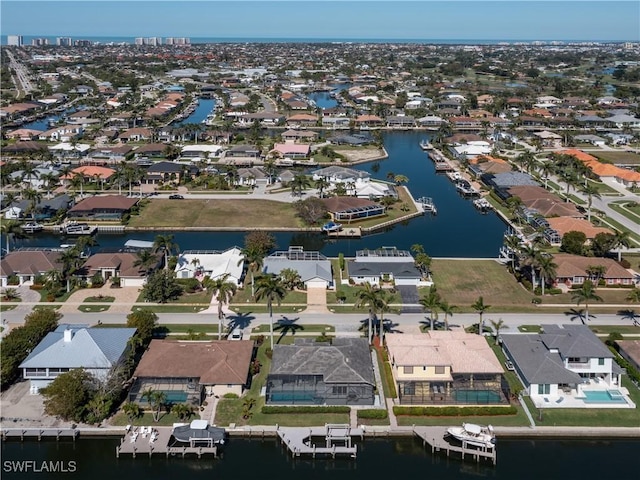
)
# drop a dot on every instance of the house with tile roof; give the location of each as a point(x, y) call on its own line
point(95, 350)
point(563, 361)
point(310, 373)
point(120, 265)
point(562, 225)
point(605, 170)
point(26, 265)
point(445, 368)
point(191, 371)
point(575, 269)
point(102, 207)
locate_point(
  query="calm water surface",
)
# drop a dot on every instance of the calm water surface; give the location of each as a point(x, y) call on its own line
point(458, 230)
point(377, 459)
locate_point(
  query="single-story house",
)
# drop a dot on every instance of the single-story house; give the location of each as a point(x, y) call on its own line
point(102, 207)
point(313, 267)
point(384, 265)
point(26, 265)
point(630, 351)
point(445, 367)
point(347, 209)
point(291, 150)
point(95, 350)
point(211, 263)
point(562, 225)
point(575, 269)
point(336, 174)
point(190, 371)
point(119, 264)
point(564, 361)
point(311, 373)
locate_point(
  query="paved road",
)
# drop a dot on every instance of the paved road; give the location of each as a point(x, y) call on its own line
point(22, 73)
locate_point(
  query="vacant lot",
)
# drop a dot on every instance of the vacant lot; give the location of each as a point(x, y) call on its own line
point(216, 213)
point(461, 282)
point(628, 158)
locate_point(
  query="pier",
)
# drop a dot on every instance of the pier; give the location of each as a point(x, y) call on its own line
point(349, 232)
point(39, 433)
point(337, 440)
point(155, 440)
point(436, 438)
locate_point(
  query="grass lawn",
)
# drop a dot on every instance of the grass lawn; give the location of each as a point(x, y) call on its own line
point(608, 221)
point(518, 420)
point(168, 308)
point(6, 307)
point(243, 296)
point(99, 299)
point(302, 328)
point(166, 420)
point(217, 213)
point(629, 158)
point(392, 213)
point(621, 329)
point(530, 328)
point(462, 282)
point(93, 308)
point(632, 213)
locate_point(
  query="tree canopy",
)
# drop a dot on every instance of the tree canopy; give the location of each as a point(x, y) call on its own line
point(161, 287)
point(68, 396)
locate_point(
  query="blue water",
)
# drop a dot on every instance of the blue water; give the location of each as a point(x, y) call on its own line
point(458, 230)
point(603, 396)
point(204, 108)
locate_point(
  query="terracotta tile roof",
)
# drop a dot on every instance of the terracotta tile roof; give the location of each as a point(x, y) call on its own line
point(29, 262)
point(603, 169)
point(92, 170)
point(109, 202)
point(214, 362)
point(563, 225)
point(576, 266)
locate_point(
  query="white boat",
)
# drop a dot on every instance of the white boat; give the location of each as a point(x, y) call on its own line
point(482, 204)
point(77, 229)
point(32, 227)
point(454, 176)
point(428, 205)
point(332, 227)
point(472, 434)
point(425, 145)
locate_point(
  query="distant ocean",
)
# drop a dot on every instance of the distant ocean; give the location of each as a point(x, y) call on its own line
point(200, 40)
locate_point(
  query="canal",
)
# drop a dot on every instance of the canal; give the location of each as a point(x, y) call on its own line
point(458, 230)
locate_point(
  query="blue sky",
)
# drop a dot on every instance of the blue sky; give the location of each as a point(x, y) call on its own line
point(370, 19)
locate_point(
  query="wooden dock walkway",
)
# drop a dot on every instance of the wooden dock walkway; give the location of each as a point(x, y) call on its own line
point(349, 232)
point(436, 438)
point(39, 433)
point(137, 443)
point(337, 440)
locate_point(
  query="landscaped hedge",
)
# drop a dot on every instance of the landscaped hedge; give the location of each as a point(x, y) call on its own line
point(454, 411)
point(373, 413)
point(305, 409)
point(633, 374)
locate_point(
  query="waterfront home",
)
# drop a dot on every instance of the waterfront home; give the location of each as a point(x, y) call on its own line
point(191, 371)
point(546, 203)
point(24, 134)
point(487, 164)
point(630, 351)
point(336, 122)
point(445, 367)
point(103, 207)
point(368, 121)
point(386, 265)
point(252, 176)
point(16, 110)
point(138, 134)
point(69, 150)
point(432, 121)
point(299, 136)
point(605, 170)
point(313, 267)
point(92, 173)
point(22, 266)
point(211, 263)
point(113, 154)
point(291, 150)
point(121, 265)
point(169, 172)
point(336, 174)
point(563, 225)
point(348, 209)
point(374, 190)
point(352, 140)
point(470, 149)
point(150, 150)
point(266, 119)
point(563, 361)
point(506, 180)
point(549, 139)
point(201, 151)
point(310, 373)
point(46, 208)
point(64, 133)
point(302, 120)
point(241, 153)
point(96, 350)
point(401, 121)
point(575, 269)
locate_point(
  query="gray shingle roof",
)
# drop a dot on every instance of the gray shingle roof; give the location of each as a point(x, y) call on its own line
point(307, 269)
point(88, 348)
point(574, 341)
point(347, 360)
point(397, 269)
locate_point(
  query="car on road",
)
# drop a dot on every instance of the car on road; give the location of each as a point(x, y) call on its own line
point(175, 196)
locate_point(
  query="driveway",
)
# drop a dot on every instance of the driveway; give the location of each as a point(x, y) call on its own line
point(410, 298)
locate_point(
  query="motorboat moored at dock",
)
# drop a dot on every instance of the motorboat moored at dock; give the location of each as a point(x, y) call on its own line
point(472, 434)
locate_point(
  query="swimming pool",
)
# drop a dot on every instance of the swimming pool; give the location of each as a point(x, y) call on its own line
point(476, 396)
point(603, 396)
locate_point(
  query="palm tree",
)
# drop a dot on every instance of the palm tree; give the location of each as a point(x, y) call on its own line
point(400, 179)
point(480, 307)
point(224, 290)
point(547, 269)
point(165, 244)
point(145, 260)
point(131, 410)
point(513, 244)
point(431, 302)
point(299, 183)
point(158, 398)
point(11, 229)
point(77, 181)
point(530, 256)
point(621, 239)
point(497, 326)
point(270, 287)
point(34, 198)
point(448, 312)
point(547, 169)
point(321, 183)
point(254, 258)
point(591, 191)
point(369, 295)
point(585, 294)
point(182, 411)
point(634, 295)
point(383, 306)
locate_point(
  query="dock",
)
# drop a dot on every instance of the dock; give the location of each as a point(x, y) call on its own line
point(349, 232)
point(436, 438)
point(155, 440)
point(39, 433)
point(337, 440)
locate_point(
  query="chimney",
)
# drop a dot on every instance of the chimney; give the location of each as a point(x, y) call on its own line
point(68, 335)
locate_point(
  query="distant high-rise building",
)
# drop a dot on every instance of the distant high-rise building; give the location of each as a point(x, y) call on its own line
point(177, 41)
point(39, 42)
point(64, 41)
point(15, 40)
point(139, 41)
point(83, 43)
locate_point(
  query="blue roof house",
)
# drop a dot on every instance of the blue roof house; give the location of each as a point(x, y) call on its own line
point(96, 350)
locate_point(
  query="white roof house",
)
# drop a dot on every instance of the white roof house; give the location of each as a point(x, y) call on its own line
point(96, 350)
point(193, 151)
point(211, 263)
point(313, 267)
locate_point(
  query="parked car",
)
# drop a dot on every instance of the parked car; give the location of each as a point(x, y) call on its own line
point(236, 334)
point(175, 196)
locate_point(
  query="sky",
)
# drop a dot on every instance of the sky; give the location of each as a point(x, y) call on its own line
point(505, 20)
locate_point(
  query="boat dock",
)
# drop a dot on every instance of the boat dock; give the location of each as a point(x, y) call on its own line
point(337, 440)
point(349, 232)
point(427, 205)
point(155, 440)
point(39, 433)
point(436, 438)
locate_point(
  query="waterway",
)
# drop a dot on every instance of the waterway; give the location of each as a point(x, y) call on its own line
point(204, 108)
point(458, 230)
point(377, 459)
point(324, 100)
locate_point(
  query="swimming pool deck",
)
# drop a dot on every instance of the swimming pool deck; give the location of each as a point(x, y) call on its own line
point(576, 399)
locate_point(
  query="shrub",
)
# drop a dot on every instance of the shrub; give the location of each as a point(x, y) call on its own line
point(373, 413)
point(13, 280)
point(259, 340)
point(269, 352)
point(454, 411)
point(554, 291)
point(536, 300)
point(230, 395)
point(624, 263)
point(190, 285)
point(269, 409)
point(526, 284)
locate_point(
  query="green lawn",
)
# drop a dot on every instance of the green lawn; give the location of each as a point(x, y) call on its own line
point(243, 296)
point(93, 308)
point(632, 213)
point(166, 420)
point(99, 299)
point(518, 420)
point(168, 308)
point(302, 328)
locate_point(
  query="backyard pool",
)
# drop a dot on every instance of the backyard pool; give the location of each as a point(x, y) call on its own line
point(293, 396)
point(478, 397)
point(603, 396)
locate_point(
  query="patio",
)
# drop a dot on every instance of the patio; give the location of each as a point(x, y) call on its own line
point(572, 398)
